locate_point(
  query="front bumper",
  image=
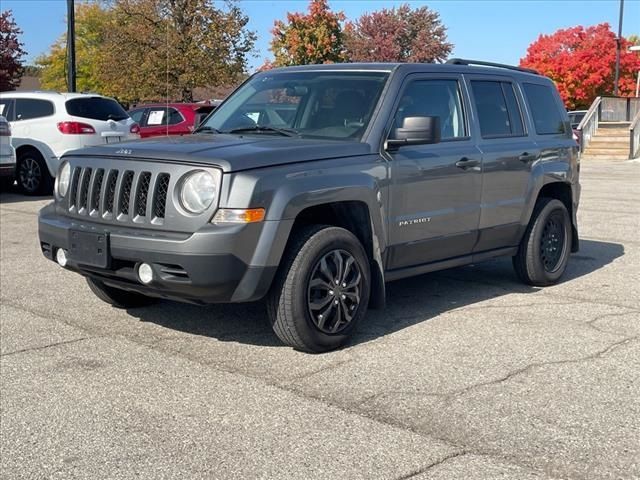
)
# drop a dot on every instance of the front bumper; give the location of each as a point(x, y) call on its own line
point(7, 168)
point(204, 267)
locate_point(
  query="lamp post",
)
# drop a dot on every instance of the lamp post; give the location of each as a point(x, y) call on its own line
point(618, 46)
point(71, 46)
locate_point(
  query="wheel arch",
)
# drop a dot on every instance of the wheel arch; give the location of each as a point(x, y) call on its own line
point(562, 191)
point(354, 216)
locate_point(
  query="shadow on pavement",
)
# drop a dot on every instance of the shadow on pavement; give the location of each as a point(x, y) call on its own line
point(409, 301)
point(13, 195)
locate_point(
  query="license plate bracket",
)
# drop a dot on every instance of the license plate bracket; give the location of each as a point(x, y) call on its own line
point(89, 248)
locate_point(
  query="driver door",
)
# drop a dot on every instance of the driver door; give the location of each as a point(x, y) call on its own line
point(436, 188)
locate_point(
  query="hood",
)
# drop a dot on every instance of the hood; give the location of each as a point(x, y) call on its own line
point(229, 152)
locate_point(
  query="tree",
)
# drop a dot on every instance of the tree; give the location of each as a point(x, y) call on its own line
point(92, 23)
point(11, 52)
point(144, 50)
point(397, 35)
point(582, 63)
point(308, 39)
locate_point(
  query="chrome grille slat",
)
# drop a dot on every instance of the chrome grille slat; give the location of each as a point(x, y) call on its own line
point(95, 190)
point(124, 196)
point(160, 195)
point(83, 189)
point(142, 194)
point(73, 189)
point(110, 192)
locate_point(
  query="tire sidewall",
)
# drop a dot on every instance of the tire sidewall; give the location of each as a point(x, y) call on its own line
point(306, 261)
point(549, 209)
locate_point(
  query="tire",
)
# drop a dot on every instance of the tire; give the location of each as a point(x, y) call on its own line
point(118, 298)
point(546, 245)
point(302, 304)
point(32, 174)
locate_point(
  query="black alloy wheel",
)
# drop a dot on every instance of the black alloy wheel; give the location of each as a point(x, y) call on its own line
point(334, 291)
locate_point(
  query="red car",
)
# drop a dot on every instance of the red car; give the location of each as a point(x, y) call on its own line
point(170, 119)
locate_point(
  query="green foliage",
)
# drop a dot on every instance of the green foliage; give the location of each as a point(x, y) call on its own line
point(139, 50)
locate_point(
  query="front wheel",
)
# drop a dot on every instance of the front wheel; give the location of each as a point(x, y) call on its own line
point(544, 250)
point(321, 291)
point(118, 298)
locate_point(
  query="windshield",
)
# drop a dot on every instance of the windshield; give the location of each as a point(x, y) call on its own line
point(314, 104)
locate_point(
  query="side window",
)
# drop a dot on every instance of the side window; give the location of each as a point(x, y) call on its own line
point(157, 116)
point(6, 108)
point(435, 98)
point(544, 109)
point(175, 117)
point(498, 109)
point(137, 115)
point(515, 114)
point(28, 108)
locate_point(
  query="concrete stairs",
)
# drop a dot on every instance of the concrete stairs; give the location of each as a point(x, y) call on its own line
point(610, 142)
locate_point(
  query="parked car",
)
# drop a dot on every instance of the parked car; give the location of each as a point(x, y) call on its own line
point(575, 117)
point(46, 125)
point(170, 119)
point(7, 154)
point(384, 171)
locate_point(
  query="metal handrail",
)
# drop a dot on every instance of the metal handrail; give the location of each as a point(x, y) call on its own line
point(589, 123)
point(634, 137)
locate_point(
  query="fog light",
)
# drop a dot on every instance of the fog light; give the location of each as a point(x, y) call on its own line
point(145, 273)
point(61, 257)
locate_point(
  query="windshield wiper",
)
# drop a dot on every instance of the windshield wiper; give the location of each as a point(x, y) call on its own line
point(286, 132)
point(206, 129)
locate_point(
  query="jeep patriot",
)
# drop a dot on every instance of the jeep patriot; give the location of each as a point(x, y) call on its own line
point(312, 186)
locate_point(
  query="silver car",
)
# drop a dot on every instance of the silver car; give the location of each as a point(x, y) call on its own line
point(7, 154)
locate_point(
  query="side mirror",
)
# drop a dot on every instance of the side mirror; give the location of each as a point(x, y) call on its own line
point(415, 131)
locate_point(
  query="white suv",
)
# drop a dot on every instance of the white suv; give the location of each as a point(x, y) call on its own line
point(46, 125)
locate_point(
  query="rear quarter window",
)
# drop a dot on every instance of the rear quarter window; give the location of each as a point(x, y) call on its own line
point(96, 108)
point(29, 108)
point(547, 118)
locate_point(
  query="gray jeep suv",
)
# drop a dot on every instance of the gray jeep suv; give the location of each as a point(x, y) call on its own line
point(313, 186)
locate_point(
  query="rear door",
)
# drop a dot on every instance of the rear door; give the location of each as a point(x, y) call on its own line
point(435, 189)
point(508, 153)
point(164, 121)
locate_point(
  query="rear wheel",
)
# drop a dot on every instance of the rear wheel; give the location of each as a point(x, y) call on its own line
point(321, 291)
point(117, 297)
point(545, 248)
point(32, 174)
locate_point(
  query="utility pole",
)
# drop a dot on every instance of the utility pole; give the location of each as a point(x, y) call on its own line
point(618, 47)
point(71, 46)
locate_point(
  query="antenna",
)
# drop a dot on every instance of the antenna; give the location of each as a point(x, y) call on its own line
point(167, 82)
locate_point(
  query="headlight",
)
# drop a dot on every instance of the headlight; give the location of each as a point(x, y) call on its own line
point(64, 177)
point(198, 191)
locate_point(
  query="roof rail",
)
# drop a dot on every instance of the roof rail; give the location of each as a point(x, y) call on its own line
point(463, 61)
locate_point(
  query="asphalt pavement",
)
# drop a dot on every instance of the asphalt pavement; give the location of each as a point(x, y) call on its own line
point(467, 374)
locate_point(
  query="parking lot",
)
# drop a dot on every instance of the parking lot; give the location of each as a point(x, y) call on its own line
point(466, 374)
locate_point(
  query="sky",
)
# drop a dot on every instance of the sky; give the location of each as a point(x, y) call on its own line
point(497, 30)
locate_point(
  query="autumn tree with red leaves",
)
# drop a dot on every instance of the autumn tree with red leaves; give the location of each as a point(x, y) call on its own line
point(399, 34)
point(312, 38)
point(10, 53)
point(582, 63)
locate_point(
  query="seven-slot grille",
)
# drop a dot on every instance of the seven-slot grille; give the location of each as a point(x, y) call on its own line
point(118, 194)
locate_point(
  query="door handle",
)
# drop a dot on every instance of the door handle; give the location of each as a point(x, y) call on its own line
point(527, 157)
point(465, 163)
